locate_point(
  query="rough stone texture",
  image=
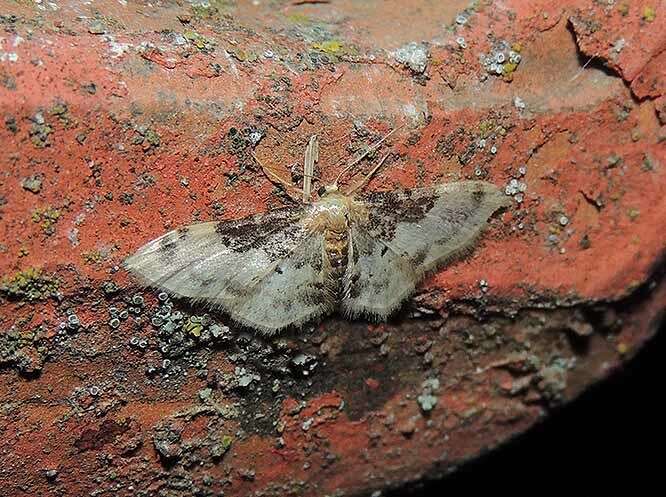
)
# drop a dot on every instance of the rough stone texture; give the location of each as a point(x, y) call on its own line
point(121, 120)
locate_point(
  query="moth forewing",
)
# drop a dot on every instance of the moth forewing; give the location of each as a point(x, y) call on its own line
point(264, 270)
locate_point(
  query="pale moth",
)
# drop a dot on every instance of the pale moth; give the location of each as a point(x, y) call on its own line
point(361, 255)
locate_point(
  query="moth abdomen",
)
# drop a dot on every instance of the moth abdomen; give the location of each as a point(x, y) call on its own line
point(336, 246)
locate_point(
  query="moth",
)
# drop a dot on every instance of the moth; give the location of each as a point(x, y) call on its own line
point(360, 254)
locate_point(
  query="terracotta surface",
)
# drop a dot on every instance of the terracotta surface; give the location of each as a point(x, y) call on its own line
point(122, 120)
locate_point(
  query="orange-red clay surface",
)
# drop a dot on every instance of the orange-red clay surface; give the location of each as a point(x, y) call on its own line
point(122, 120)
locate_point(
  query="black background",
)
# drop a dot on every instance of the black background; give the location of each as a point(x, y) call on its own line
point(613, 436)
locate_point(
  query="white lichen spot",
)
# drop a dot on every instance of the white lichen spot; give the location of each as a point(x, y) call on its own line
point(619, 45)
point(116, 48)
point(8, 57)
point(410, 111)
point(502, 59)
point(412, 55)
point(428, 400)
point(515, 189)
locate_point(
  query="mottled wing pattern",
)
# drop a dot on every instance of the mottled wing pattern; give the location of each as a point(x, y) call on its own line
point(266, 271)
point(377, 279)
point(409, 233)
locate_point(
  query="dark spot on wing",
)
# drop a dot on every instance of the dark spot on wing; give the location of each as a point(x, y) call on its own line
point(478, 196)
point(168, 247)
point(317, 263)
point(254, 231)
point(420, 256)
point(387, 209)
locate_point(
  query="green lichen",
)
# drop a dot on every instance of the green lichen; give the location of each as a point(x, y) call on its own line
point(23, 349)
point(61, 111)
point(211, 9)
point(152, 137)
point(648, 163)
point(39, 134)
point(198, 40)
point(30, 284)
point(649, 14)
point(147, 137)
point(330, 47)
point(299, 19)
point(48, 218)
point(485, 128)
point(509, 68)
point(244, 55)
point(32, 183)
point(193, 326)
point(226, 442)
point(217, 450)
point(633, 214)
point(92, 257)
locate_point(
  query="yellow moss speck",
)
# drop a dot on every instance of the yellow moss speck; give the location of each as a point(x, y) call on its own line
point(47, 217)
point(649, 14)
point(193, 328)
point(298, 18)
point(330, 47)
point(29, 284)
point(633, 214)
point(92, 256)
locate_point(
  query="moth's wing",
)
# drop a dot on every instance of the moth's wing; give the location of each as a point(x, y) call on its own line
point(294, 290)
point(377, 278)
point(409, 233)
point(266, 271)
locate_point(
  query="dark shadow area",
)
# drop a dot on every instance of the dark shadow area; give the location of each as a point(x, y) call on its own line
point(590, 62)
point(612, 435)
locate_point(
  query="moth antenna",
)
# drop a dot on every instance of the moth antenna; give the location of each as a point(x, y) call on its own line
point(311, 156)
point(293, 191)
point(580, 71)
point(367, 178)
point(372, 148)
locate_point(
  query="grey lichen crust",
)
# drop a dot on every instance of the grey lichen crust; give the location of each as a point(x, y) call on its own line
point(288, 266)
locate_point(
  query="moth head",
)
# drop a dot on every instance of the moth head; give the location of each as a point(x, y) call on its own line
point(326, 189)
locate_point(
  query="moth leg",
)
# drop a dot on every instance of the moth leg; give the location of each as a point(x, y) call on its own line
point(311, 157)
point(371, 149)
point(360, 184)
point(274, 176)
